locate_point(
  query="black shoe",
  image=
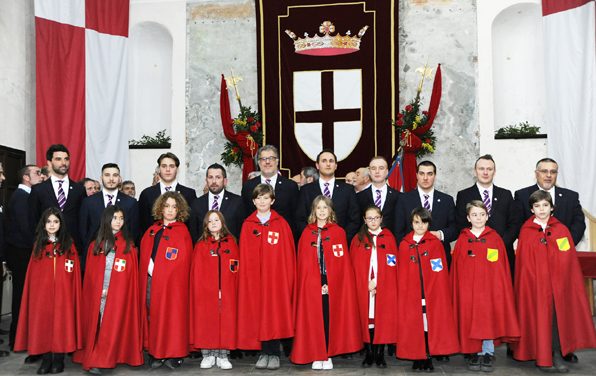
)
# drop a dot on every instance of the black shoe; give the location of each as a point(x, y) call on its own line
point(57, 367)
point(441, 358)
point(418, 365)
point(46, 364)
point(174, 363)
point(486, 363)
point(570, 358)
point(368, 356)
point(474, 362)
point(380, 356)
point(428, 365)
point(156, 363)
point(32, 359)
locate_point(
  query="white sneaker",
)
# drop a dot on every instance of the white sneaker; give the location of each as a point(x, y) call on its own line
point(328, 364)
point(223, 363)
point(262, 362)
point(207, 362)
point(317, 364)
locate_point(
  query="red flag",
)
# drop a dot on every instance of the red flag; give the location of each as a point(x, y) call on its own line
point(433, 106)
point(224, 109)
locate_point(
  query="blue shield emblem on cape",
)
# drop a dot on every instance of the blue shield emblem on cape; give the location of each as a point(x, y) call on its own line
point(436, 264)
point(391, 260)
point(171, 253)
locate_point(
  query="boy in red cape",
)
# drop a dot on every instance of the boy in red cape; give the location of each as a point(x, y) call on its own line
point(266, 286)
point(426, 323)
point(50, 318)
point(482, 290)
point(111, 314)
point(327, 321)
point(552, 306)
point(374, 257)
point(213, 292)
point(164, 275)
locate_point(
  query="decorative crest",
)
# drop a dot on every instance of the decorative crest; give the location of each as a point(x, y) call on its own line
point(327, 44)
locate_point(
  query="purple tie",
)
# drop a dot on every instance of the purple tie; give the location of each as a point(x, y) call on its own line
point(168, 189)
point(268, 181)
point(378, 199)
point(110, 203)
point(486, 201)
point(215, 205)
point(426, 203)
point(61, 195)
point(326, 190)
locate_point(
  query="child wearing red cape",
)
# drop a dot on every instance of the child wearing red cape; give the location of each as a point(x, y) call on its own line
point(426, 323)
point(482, 290)
point(266, 285)
point(552, 306)
point(164, 277)
point(50, 317)
point(327, 320)
point(213, 292)
point(374, 257)
point(111, 313)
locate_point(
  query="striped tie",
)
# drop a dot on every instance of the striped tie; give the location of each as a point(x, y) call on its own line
point(326, 190)
point(486, 201)
point(426, 202)
point(168, 189)
point(110, 202)
point(61, 195)
point(268, 181)
point(215, 205)
point(378, 199)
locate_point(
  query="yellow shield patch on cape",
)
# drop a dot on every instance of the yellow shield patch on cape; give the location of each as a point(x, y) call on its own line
point(492, 254)
point(563, 244)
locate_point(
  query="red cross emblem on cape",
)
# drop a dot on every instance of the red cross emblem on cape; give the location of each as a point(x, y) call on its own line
point(119, 265)
point(69, 265)
point(338, 250)
point(273, 237)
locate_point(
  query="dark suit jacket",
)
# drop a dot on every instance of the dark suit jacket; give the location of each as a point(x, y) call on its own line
point(346, 207)
point(18, 229)
point(232, 209)
point(568, 210)
point(443, 217)
point(365, 199)
point(92, 209)
point(42, 197)
point(286, 198)
point(148, 197)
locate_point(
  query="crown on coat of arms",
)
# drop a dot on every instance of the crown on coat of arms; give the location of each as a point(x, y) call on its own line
point(327, 45)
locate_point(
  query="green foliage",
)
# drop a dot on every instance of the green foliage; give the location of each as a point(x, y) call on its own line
point(158, 140)
point(520, 129)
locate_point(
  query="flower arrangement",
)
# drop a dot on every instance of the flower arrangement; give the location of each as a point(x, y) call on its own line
point(411, 122)
point(249, 132)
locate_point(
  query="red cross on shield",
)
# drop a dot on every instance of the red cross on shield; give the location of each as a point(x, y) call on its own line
point(273, 237)
point(120, 265)
point(338, 250)
point(69, 265)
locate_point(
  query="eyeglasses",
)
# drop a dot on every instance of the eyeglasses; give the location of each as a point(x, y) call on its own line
point(268, 159)
point(546, 172)
point(372, 219)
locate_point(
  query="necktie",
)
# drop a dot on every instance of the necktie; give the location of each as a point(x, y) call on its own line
point(110, 202)
point(326, 190)
point(61, 195)
point(426, 204)
point(486, 201)
point(215, 205)
point(168, 189)
point(268, 181)
point(378, 199)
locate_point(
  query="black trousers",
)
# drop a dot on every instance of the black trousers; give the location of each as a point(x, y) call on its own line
point(17, 260)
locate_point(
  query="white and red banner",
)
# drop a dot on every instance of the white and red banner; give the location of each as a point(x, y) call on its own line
point(570, 67)
point(81, 68)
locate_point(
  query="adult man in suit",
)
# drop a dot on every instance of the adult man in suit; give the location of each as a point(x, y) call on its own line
point(568, 210)
point(2, 353)
point(503, 212)
point(362, 180)
point(425, 195)
point(168, 164)
point(379, 193)
point(286, 190)
point(217, 198)
point(93, 206)
point(60, 192)
point(18, 240)
point(342, 195)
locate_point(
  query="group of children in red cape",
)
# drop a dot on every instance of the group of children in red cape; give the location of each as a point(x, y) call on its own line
point(220, 295)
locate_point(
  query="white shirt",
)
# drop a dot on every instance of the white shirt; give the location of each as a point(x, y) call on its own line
point(430, 194)
point(481, 189)
point(65, 185)
point(273, 180)
point(373, 267)
point(220, 197)
point(114, 194)
point(162, 186)
point(24, 188)
point(383, 194)
point(331, 185)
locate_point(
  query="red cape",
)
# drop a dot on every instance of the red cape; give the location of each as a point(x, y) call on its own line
point(119, 338)
point(548, 271)
point(427, 258)
point(213, 322)
point(344, 322)
point(386, 295)
point(482, 291)
point(165, 334)
point(50, 317)
point(266, 285)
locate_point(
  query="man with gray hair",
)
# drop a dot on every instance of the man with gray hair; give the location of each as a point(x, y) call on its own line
point(362, 179)
point(308, 175)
